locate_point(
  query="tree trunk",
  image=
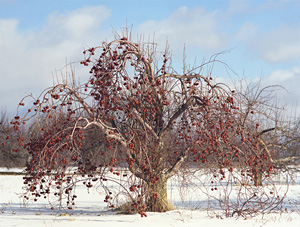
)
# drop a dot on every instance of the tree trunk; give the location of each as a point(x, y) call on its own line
point(258, 179)
point(157, 200)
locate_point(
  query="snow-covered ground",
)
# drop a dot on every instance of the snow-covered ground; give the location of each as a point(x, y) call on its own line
point(91, 210)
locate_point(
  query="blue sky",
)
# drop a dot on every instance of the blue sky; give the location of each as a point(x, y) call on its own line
point(38, 37)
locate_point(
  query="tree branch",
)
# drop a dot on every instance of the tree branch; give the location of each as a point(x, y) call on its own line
point(265, 148)
point(82, 102)
point(171, 171)
point(109, 132)
point(141, 120)
point(181, 109)
point(288, 159)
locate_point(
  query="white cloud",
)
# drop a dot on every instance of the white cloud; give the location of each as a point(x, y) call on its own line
point(28, 59)
point(281, 44)
point(280, 76)
point(289, 79)
point(9, 37)
point(195, 27)
point(75, 25)
point(237, 7)
point(275, 5)
point(247, 33)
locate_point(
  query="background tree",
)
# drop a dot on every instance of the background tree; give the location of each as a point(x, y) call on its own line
point(278, 129)
point(11, 155)
point(136, 122)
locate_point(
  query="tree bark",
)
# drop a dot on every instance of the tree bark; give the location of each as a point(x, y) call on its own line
point(258, 179)
point(157, 200)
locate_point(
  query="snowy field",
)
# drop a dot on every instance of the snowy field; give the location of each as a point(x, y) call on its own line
point(91, 210)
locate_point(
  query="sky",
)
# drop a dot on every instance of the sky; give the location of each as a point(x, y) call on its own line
point(260, 39)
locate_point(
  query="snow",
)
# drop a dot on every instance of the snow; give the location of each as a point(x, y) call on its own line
point(91, 210)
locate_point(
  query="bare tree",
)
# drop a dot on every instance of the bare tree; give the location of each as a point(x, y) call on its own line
point(10, 156)
point(145, 120)
point(278, 132)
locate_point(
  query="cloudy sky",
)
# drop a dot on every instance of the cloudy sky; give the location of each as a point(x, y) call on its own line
point(38, 37)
